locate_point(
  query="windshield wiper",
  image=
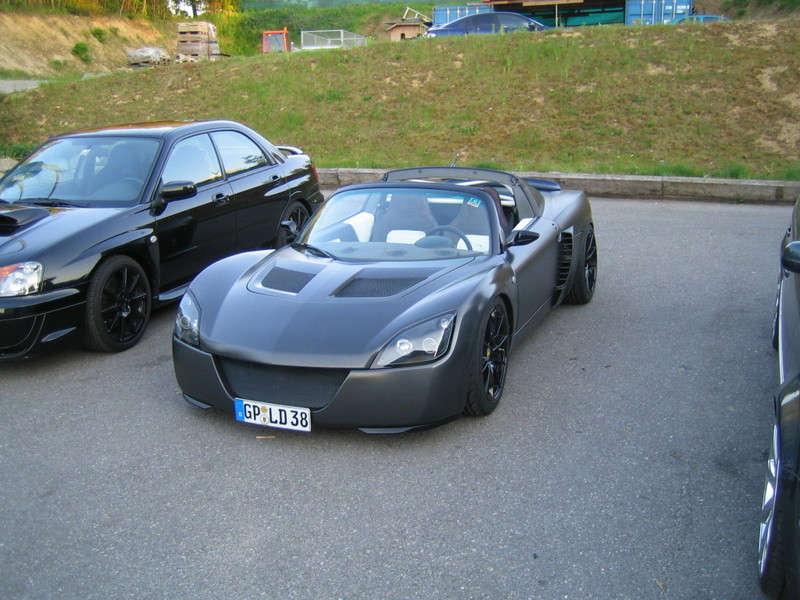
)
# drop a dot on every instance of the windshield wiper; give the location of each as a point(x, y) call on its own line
point(49, 202)
point(312, 250)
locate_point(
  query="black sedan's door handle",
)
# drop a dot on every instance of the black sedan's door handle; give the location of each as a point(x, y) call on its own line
point(220, 199)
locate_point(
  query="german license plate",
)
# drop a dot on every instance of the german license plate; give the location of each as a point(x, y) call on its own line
point(273, 415)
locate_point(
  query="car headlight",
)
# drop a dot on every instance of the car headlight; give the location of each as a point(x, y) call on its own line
point(187, 321)
point(419, 344)
point(21, 279)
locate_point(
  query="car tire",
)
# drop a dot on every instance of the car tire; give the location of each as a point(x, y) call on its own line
point(118, 305)
point(772, 528)
point(776, 320)
point(585, 279)
point(297, 212)
point(487, 373)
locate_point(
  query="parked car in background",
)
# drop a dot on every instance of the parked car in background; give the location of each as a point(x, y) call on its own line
point(98, 225)
point(396, 308)
point(485, 23)
point(699, 19)
point(779, 531)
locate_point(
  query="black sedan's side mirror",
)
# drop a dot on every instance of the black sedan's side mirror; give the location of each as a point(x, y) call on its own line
point(790, 257)
point(523, 238)
point(178, 190)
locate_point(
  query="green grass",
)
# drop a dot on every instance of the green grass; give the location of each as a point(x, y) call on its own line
point(718, 101)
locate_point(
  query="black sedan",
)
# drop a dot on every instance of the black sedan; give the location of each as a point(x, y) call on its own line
point(487, 23)
point(779, 532)
point(395, 308)
point(97, 226)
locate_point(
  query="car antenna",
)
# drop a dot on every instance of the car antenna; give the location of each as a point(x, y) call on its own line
point(455, 160)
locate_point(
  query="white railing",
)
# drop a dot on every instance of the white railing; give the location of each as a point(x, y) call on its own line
point(330, 38)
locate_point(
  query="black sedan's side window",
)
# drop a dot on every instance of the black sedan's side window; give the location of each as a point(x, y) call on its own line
point(193, 159)
point(239, 153)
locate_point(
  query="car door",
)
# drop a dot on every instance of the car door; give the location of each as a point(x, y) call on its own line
point(194, 232)
point(260, 192)
point(536, 268)
point(790, 309)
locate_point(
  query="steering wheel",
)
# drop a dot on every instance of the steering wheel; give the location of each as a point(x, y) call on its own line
point(461, 235)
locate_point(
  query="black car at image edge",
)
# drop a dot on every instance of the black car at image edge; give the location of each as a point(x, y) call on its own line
point(97, 226)
point(779, 531)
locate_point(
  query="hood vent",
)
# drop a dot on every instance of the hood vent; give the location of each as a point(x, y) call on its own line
point(14, 218)
point(370, 287)
point(383, 282)
point(286, 280)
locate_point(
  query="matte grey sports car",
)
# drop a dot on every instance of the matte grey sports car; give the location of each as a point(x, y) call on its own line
point(395, 308)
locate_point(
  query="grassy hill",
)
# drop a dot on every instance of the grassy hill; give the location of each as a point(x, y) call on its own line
point(717, 100)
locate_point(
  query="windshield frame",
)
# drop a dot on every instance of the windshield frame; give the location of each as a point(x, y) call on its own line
point(348, 226)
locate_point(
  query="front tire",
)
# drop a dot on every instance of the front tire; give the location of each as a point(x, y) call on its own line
point(118, 305)
point(772, 528)
point(487, 374)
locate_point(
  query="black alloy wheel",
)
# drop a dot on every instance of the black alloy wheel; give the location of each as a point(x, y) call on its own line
point(582, 289)
point(488, 372)
point(118, 305)
point(297, 212)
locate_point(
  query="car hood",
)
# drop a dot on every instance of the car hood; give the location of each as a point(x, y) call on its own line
point(26, 231)
point(299, 310)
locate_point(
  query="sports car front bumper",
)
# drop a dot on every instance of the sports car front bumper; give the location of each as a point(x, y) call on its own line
point(375, 400)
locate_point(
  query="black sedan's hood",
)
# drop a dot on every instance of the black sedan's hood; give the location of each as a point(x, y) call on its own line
point(322, 312)
point(26, 231)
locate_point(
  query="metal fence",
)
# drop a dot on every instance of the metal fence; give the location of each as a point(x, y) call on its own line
point(330, 38)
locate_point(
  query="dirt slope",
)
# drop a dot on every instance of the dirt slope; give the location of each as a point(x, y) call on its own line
point(41, 45)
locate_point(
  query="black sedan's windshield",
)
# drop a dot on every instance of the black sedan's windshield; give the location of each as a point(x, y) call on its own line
point(93, 171)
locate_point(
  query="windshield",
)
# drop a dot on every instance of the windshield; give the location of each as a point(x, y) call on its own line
point(95, 171)
point(381, 224)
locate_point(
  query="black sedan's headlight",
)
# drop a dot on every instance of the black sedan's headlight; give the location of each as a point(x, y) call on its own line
point(419, 344)
point(187, 321)
point(21, 279)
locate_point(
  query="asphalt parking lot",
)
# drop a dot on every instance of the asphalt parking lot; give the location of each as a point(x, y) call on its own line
point(625, 461)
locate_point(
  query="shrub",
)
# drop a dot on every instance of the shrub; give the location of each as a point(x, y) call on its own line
point(81, 50)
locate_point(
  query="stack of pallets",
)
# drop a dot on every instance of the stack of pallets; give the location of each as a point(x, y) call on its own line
point(197, 41)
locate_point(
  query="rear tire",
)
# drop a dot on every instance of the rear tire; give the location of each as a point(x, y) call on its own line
point(585, 279)
point(487, 374)
point(297, 212)
point(118, 305)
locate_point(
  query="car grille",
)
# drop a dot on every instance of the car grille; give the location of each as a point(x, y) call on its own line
point(564, 264)
point(291, 386)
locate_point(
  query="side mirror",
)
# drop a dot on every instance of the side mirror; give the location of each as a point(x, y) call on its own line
point(790, 257)
point(290, 227)
point(523, 238)
point(178, 190)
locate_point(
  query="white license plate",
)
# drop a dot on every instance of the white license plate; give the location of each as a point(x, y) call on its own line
point(273, 415)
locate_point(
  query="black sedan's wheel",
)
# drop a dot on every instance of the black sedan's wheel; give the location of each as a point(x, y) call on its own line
point(117, 305)
point(772, 532)
point(487, 374)
point(582, 288)
point(298, 214)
